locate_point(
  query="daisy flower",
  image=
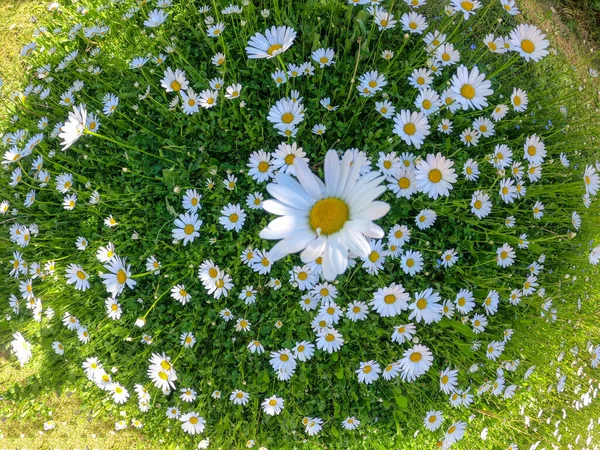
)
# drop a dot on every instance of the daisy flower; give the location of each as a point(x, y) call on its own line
point(415, 362)
point(390, 301)
point(449, 258)
point(74, 128)
point(329, 340)
point(529, 42)
point(426, 307)
point(411, 262)
point(470, 88)
point(179, 293)
point(232, 217)
point(519, 100)
point(425, 219)
point(435, 176)
point(357, 310)
point(119, 276)
point(433, 420)
point(368, 372)
point(286, 113)
point(273, 405)
point(239, 397)
point(273, 42)
point(191, 201)
point(174, 81)
point(318, 218)
point(481, 205)
point(77, 276)
point(411, 127)
point(399, 235)
point(325, 57)
point(413, 23)
point(187, 226)
point(350, 423)
point(192, 423)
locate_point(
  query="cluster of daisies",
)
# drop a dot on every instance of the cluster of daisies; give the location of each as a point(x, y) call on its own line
point(333, 222)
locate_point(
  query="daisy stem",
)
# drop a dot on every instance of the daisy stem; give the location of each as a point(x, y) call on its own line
point(353, 80)
point(122, 144)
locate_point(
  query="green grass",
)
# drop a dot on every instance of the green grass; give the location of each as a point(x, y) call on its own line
point(575, 326)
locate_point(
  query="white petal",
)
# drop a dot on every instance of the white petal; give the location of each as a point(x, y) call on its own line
point(373, 211)
point(278, 208)
point(313, 250)
point(311, 184)
point(365, 227)
point(356, 243)
point(332, 172)
point(283, 227)
point(290, 245)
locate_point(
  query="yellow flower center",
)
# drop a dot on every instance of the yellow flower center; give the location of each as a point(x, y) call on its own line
point(410, 129)
point(329, 215)
point(387, 164)
point(302, 276)
point(374, 256)
point(467, 91)
point(435, 175)
point(420, 80)
point(517, 100)
point(165, 365)
point(432, 419)
point(193, 420)
point(468, 6)
point(263, 166)
point(462, 301)
point(356, 310)
point(452, 429)
point(114, 307)
point(273, 48)
point(121, 276)
point(188, 229)
point(390, 299)
point(175, 86)
point(287, 118)
point(81, 275)
point(367, 369)
point(210, 101)
point(426, 104)
point(527, 46)
point(445, 379)
point(272, 402)
point(383, 23)
point(330, 338)
point(233, 218)
point(421, 303)
point(324, 59)
point(504, 255)
point(398, 234)
point(416, 357)
point(284, 357)
point(531, 151)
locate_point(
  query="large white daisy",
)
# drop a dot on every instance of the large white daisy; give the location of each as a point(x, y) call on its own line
point(470, 88)
point(276, 40)
point(328, 219)
point(529, 42)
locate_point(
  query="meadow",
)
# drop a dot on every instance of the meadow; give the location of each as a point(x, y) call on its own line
point(319, 224)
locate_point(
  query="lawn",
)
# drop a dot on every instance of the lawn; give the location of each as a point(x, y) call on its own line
point(149, 154)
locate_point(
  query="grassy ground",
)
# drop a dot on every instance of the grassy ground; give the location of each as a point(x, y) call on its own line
point(73, 425)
